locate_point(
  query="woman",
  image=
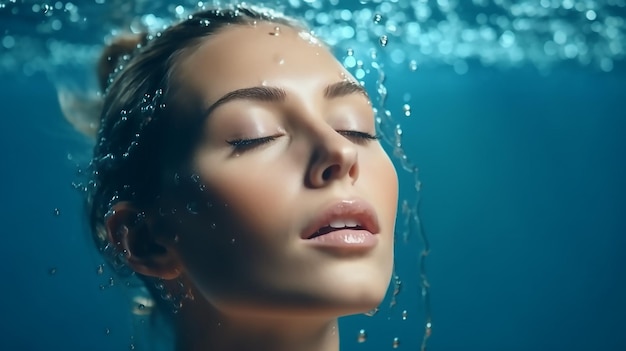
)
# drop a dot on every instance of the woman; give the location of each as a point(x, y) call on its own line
point(237, 170)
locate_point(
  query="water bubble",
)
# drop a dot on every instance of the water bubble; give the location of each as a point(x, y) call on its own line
point(141, 306)
point(52, 271)
point(383, 40)
point(377, 18)
point(407, 110)
point(362, 337)
point(192, 208)
point(396, 343)
point(45, 8)
point(56, 212)
point(213, 226)
point(100, 269)
point(131, 346)
point(413, 65)
point(233, 241)
point(404, 315)
point(107, 331)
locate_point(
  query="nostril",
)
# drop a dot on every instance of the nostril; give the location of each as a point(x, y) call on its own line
point(328, 173)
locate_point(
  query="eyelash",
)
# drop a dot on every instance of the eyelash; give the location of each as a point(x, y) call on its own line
point(240, 145)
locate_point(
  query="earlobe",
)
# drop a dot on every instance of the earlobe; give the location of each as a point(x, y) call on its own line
point(143, 248)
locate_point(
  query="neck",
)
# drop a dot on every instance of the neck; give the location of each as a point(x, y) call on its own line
point(205, 329)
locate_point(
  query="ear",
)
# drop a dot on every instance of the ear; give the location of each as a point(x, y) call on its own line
point(146, 250)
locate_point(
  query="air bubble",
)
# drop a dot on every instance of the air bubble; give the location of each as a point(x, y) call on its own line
point(100, 269)
point(407, 110)
point(413, 65)
point(45, 8)
point(383, 40)
point(396, 343)
point(192, 208)
point(404, 315)
point(362, 337)
point(377, 18)
point(56, 212)
point(107, 331)
point(52, 271)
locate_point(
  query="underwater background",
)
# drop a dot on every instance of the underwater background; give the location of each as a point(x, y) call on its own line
point(513, 112)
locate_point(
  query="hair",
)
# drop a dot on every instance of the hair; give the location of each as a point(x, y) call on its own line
point(142, 142)
point(139, 135)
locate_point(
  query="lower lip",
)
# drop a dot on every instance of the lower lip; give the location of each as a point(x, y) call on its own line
point(345, 238)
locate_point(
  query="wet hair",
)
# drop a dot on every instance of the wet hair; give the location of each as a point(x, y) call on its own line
point(148, 125)
point(149, 121)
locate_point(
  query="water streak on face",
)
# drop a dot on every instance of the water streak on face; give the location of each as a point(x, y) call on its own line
point(285, 137)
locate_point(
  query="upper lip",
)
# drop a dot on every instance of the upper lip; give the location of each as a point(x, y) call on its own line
point(349, 209)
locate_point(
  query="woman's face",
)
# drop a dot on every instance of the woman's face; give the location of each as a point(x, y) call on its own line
point(284, 154)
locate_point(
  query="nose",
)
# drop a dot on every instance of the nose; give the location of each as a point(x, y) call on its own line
point(334, 157)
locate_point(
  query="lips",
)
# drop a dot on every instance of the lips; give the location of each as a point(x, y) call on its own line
point(352, 214)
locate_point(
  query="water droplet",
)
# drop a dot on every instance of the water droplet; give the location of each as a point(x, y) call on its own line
point(371, 312)
point(56, 212)
point(396, 343)
point(100, 269)
point(377, 18)
point(159, 285)
point(276, 31)
point(413, 65)
point(383, 40)
point(404, 315)
point(52, 271)
point(362, 336)
point(407, 110)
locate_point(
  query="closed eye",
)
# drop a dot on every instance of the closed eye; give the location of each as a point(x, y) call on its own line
point(241, 145)
point(358, 137)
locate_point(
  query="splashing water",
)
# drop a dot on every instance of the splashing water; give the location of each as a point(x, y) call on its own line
point(43, 37)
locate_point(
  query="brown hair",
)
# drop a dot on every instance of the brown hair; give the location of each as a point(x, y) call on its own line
point(142, 142)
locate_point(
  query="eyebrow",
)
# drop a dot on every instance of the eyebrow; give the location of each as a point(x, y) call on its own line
point(275, 94)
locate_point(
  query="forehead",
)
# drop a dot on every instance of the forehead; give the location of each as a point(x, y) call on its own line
point(243, 56)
